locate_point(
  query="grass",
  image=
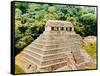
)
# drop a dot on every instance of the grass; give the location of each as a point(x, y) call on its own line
point(18, 70)
point(90, 48)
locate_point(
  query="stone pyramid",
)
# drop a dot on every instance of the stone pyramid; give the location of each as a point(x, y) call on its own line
point(58, 48)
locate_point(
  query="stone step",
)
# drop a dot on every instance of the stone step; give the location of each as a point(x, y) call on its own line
point(56, 41)
point(53, 61)
point(53, 67)
point(45, 57)
point(44, 63)
point(42, 53)
point(54, 36)
point(47, 51)
point(43, 66)
point(50, 45)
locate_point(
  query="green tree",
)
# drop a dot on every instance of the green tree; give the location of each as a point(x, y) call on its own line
point(89, 22)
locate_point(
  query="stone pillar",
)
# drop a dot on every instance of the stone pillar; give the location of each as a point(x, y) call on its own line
point(48, 28)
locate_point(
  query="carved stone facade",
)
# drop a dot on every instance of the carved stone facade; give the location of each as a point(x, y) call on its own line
point(58, 48)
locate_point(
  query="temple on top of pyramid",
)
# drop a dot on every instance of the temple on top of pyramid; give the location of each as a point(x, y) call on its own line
point(57, 25)
point(58, 48)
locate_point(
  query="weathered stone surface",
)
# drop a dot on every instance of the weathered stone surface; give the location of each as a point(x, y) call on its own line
point(57, 49)
point(90, 39)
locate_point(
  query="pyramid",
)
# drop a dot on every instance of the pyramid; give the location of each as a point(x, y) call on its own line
point(58, 48)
